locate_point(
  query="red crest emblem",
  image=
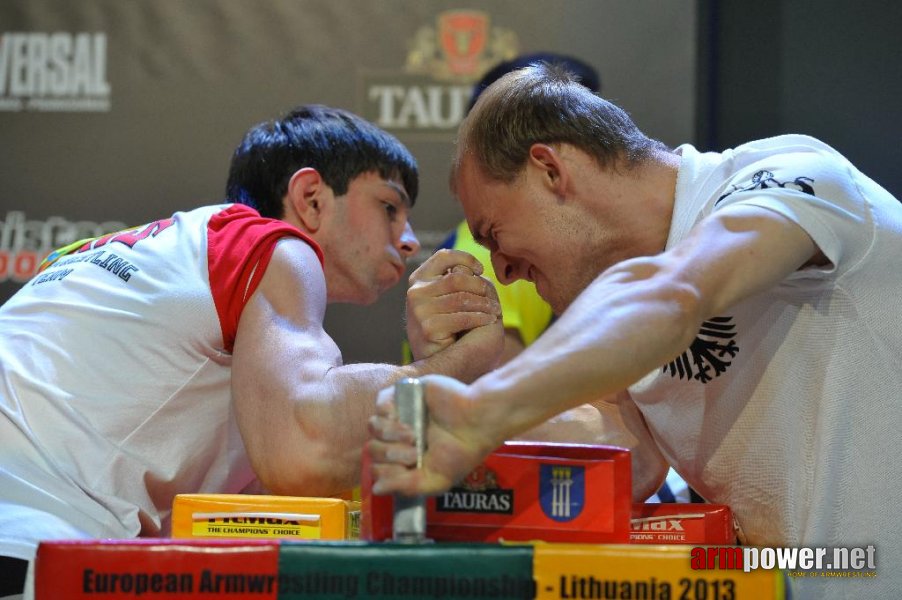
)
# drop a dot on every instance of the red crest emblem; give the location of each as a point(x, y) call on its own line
point(463, 35)
point(480, 479)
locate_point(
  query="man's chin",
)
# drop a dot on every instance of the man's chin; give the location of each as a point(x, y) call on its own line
point(552, 301)
point(392, 280)
point(359, 296)
point(377, 290)
point(558, 304)
point(360, 300)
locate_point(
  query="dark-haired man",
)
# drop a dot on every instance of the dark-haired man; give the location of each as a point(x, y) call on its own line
point(188, 355)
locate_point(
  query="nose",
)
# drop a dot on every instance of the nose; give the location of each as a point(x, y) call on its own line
point(408, 244)
point(506, 268)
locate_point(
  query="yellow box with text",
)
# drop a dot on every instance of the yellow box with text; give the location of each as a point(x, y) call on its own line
point(653, 571)
point(264, 516)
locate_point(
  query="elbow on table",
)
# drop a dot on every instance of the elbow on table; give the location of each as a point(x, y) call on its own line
point(319, 471)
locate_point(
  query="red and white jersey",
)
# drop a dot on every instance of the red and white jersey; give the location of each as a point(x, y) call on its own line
point(115, 368)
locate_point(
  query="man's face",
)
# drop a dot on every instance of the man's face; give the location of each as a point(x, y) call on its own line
point(530, 234)
point(369, 240)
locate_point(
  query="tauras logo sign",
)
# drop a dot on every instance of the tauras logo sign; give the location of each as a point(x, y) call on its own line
point(59, 71)
point(478, 493)
point(443, 63)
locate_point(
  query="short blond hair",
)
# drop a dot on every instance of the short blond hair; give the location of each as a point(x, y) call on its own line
point(544, 103)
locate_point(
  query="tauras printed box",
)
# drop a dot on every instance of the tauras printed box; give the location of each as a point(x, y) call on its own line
point(524, 491)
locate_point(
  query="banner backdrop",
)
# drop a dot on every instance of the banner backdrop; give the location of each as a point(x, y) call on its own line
point(115, 113)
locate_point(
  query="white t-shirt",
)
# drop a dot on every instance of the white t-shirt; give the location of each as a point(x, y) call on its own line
point(115, 369)
point(787, 406)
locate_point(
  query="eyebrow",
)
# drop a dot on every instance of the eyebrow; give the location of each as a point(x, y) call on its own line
point(402, 193)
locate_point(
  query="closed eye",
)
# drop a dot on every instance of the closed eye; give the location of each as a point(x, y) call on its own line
point(488, 241)
point(479, 237)
point(391, 209)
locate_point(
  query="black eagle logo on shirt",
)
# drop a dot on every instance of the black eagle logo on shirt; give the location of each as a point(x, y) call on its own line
point(714, 348)
point(763, 180)
point(710, 354)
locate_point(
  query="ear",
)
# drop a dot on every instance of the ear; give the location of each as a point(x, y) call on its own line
point(307, 193)
point(552, 167)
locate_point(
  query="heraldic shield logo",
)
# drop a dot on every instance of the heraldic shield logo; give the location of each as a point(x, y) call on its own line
point(562, 491)
point(463, 36)
point(462, 46)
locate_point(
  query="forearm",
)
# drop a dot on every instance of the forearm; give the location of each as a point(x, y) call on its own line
point(474, 354)
point(331, 407)
point(330, 415)
point(640, 314)
point(599, 346)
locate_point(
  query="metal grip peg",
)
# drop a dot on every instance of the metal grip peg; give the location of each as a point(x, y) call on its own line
point(409, 522)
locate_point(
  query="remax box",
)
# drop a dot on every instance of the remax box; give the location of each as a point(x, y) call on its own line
point(708, 524)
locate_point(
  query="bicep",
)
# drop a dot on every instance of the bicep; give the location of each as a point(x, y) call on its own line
point(737, 252)
point(280, 350)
